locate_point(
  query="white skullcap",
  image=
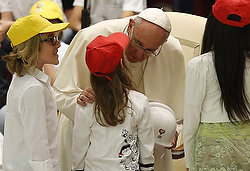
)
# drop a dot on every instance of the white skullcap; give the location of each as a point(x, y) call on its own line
point(156, 16)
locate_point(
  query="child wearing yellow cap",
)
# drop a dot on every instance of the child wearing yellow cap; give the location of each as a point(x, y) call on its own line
point(52, 12)
point(31, 135)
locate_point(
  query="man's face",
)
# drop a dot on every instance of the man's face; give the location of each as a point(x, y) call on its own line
point(145, 41)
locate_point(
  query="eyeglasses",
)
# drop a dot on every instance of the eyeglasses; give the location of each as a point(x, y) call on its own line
point(54, 40)
point(146, 52)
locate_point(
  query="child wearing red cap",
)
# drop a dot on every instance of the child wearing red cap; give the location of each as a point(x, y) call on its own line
point(217, 94)
point(31, 133)
point(115, 133)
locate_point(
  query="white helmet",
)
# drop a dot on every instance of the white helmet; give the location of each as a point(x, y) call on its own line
point(164, 123)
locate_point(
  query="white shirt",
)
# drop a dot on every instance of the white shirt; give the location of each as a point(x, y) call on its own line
point(20, 8)
point(114, 148)
point(111, 9)
point(202, 98)
point(31, 132)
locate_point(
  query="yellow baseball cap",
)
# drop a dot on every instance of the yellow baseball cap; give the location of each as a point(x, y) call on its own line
point(48, 9)
point(26, 27)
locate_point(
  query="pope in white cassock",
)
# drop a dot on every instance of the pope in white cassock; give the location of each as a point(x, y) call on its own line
point(157, 66)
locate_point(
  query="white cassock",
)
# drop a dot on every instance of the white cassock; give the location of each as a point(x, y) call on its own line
point(163, 81)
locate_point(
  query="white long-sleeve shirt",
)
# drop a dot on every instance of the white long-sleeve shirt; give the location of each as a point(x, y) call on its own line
point(114, 148)
point(31, 132)
point(202, 98)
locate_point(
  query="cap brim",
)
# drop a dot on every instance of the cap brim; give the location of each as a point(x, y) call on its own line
point(121, 38)
point(56, 27)
point(52, 16)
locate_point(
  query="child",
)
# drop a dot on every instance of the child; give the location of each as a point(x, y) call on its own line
point(31, 135)
point(116, 131)
point(52, 12)
point(217, 95)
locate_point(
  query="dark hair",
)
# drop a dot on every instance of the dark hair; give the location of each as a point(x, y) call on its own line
point(112, 96)
point(231, 51)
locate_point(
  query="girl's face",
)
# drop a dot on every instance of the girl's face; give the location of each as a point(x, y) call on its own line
point(48, 50)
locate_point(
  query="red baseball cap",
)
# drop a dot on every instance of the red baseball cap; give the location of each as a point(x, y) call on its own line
point(222, 9)
point(103, 54)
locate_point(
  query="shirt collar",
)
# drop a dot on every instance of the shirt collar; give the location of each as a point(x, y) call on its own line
point(39, 75)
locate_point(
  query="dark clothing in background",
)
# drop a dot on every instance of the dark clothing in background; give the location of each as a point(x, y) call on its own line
point(67, 4)
point(4, 74)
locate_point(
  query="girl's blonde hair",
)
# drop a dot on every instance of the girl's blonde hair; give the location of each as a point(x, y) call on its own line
point(23, 57)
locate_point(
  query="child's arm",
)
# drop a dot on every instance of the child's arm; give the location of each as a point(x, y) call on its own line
point(146, 139)
point(81, 133)
point(35, 129)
